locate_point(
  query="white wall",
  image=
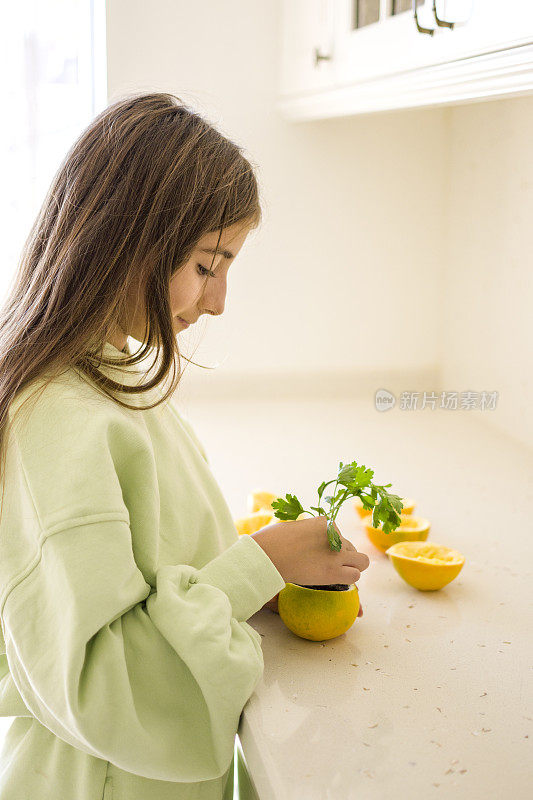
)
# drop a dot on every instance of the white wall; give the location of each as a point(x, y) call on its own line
point(346, 270)
point(392, 241)
point(487, 340)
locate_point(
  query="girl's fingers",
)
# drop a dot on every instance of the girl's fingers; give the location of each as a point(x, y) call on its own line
point(359, 560)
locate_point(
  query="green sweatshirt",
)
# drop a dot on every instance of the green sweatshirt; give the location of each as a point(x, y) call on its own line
point(126, 658)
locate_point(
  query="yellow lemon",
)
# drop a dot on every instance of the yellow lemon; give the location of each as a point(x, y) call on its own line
point(303, 515)
point(408, 507)
point(318, 614)
point(425, 565)
point(358, 505)
point(253, 522)
point(411, 528)
point(258, 499)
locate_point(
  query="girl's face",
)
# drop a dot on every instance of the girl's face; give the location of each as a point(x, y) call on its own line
point(197, 288)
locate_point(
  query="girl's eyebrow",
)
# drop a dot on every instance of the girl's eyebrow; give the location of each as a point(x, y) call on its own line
point(225, 253)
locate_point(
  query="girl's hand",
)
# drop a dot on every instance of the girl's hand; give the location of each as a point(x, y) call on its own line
point(273, 606)
point(301, 553)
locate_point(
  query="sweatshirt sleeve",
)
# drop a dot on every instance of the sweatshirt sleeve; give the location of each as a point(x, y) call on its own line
point(152, 678)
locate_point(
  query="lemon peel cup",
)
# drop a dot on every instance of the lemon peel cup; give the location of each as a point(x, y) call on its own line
point(253, 522)
point(425, 565)
point(318, 614)
point(258, 499)
point(411, 529)
point(408, 507)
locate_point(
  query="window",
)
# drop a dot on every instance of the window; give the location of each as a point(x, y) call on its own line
point(366, 12)
point(53, 62)
point(53, 65)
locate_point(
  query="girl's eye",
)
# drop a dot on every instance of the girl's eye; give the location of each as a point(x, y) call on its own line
point(204, 271)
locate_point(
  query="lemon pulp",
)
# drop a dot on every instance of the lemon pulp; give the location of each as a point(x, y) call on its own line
point(427, 552)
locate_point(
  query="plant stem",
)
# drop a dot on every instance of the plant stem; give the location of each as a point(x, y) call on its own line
point(332, 502)
point(340, 502)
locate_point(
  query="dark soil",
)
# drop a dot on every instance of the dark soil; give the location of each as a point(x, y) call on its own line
point(331, 587)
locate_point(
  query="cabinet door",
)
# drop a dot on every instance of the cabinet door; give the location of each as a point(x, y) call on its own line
point(375, 38)
point(306, 45)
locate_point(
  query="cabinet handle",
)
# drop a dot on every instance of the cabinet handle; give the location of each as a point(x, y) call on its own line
point(429, 31)
point(439, 21)
point(320, 57)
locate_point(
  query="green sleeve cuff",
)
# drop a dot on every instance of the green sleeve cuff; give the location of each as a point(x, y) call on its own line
point(246, 574)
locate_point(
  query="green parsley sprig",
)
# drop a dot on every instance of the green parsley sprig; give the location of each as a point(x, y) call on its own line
point(354, 481)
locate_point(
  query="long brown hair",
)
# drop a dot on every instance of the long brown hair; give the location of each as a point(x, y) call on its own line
point(145, 181)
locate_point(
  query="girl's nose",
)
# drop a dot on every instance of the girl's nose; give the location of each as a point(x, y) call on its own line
point(214, 298)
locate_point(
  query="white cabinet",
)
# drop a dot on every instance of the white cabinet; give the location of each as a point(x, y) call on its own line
point(306, 43)
point(342, 57)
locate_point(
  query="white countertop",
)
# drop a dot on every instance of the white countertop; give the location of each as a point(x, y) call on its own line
point(429, 694)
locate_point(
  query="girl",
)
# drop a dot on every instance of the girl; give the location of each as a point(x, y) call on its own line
point(126, 657)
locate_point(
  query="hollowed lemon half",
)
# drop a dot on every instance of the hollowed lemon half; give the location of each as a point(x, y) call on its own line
point(410, 529)
point(318, 614)
point(408, 507)
point(426, 565)
point(258, 499)
point(253, 522)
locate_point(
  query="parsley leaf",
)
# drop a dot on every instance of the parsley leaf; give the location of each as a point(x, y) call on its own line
point(354, 479)
point(290, 508)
